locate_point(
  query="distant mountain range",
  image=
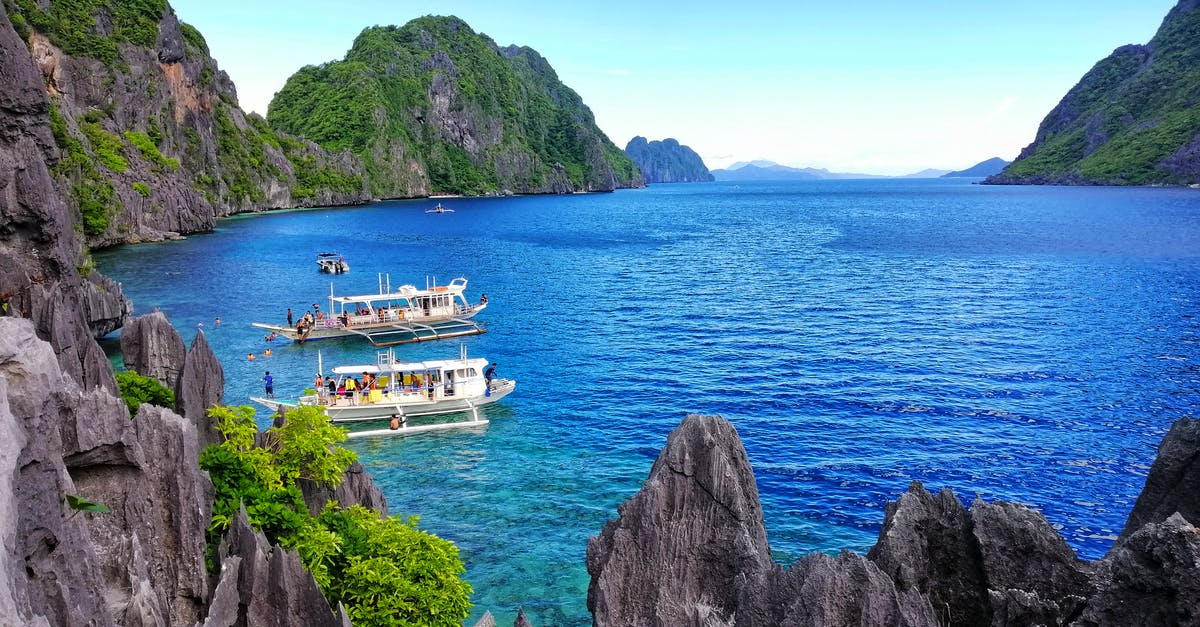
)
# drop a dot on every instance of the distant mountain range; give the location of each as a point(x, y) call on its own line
point(763, 170)
point(979, 170)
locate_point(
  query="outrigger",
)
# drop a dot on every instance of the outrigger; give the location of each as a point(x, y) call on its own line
point(396, 391)
point(390, 318)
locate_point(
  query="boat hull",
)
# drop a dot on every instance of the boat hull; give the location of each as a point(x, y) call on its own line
point(384, 333)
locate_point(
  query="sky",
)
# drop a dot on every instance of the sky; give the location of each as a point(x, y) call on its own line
point(873, 86)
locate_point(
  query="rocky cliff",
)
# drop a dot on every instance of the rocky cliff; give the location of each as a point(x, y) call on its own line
point(690, 549)
point(667, 161)
point(44, 275)
point(433, 107)
point(146, 137)
point(1131, 120)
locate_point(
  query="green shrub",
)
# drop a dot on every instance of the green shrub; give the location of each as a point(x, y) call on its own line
point(150, 152)
point(106, 146)
point(373, 571)
point(136, 389)
point(193, 39)
point(71, 24)
point(97, 204)
point(142, 188)
point(384, 570)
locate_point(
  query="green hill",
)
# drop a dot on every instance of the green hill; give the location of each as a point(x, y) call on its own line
point(1134, 119)
point(433, 107)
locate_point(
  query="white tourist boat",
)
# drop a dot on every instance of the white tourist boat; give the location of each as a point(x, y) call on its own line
point(407, 390)
point(332, 263)
point(439, 209)
point(387, 318)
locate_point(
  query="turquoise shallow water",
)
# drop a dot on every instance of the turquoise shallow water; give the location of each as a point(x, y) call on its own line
point(1026, 344)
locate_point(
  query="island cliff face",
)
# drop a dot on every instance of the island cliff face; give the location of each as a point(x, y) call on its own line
point(690, 549)
point(147, 139)
point(64, 433)
point(1131, 120)
point(667, 161)
point(434, 108)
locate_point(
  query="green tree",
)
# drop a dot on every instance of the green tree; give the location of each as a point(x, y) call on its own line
point(136, 389)
point(384, 570)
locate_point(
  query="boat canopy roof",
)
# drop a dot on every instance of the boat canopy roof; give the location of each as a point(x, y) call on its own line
point(413, 366)
point(405, 292)
point(329, 254)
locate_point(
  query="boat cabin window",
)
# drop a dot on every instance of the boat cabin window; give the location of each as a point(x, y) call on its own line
point(427, 302)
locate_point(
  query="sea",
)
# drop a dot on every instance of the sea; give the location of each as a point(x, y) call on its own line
point(1024, 344)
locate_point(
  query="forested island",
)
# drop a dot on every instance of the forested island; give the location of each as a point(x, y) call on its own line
point(1131, 120)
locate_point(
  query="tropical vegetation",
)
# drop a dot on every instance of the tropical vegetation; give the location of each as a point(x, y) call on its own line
point(136, 389)
point(384, 570)
point(472, 117)
point(1127, 118)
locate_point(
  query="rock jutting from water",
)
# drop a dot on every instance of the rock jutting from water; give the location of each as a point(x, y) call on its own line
point(690, 548)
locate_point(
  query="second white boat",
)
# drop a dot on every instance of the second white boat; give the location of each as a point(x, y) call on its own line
point(391, 389)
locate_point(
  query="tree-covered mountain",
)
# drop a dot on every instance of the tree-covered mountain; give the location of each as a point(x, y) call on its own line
point(667, 161)
point(433, 107)
point(1133, 119)
point(979, 170)
point(150, 139)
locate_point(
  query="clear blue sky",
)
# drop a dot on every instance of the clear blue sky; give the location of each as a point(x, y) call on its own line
point(871, 86)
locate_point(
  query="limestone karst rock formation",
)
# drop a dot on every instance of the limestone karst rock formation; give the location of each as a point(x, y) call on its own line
point(689, 548)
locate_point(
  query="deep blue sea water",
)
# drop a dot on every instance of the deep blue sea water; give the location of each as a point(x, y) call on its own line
point(1019, 343)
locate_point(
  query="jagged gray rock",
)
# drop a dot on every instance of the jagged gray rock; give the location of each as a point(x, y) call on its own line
point(846, 590)
point(152, 347)
point(140, 563)
point(935, 563)
point(40, 257)
point(356, 488)
point(1032, 575)
point(272, 586)
point(698, 522)
point(926, 545)
point(690, 548)
point(201, 386)
point(1150, 578)
point(1173, 483)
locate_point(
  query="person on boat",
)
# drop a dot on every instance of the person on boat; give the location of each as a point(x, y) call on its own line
point(269, 384)
point(351, 386)
point(489, 374)
point(319, 385)
point(345, 319)
point(290, 323)
point(332, 387)
point(483, 299)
